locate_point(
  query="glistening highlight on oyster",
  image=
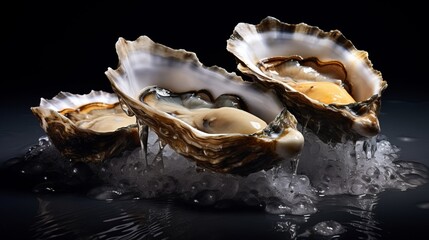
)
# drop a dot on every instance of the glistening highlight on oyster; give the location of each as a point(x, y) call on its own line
point(200, 112)
point(88, 127)
point(329, 85)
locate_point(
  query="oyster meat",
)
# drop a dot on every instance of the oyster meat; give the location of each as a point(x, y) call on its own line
point(218, 117)
point(204, 113)
point(88, 127)
point(329, 85)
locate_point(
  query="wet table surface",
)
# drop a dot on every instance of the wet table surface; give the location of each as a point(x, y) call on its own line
point(71, 214)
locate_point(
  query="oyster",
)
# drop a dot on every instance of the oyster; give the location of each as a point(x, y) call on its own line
point(156, 84)
point(88, 127)
point(329, 85)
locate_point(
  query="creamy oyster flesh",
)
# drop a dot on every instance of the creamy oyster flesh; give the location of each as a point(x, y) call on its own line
point(263, 45)
point(222, 119)
point(325, 92)
point(294, 71)
point(310, 82)
point(107, 119)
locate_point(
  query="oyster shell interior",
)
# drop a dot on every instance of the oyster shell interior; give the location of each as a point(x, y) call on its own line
point(224, 115)
point(204, 113)
point(325, 82)
point(99, 117)
point(329, 85)
point(88, 127)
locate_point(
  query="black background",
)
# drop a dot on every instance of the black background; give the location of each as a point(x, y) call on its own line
point(48, 48)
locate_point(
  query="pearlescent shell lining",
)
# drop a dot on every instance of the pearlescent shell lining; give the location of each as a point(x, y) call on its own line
point(76, 142)
point(144, 64)
point(271, 38)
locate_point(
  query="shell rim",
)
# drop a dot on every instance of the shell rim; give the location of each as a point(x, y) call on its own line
point(43, 109)
point(334, 35)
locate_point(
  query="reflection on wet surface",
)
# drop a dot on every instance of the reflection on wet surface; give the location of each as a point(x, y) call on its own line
point(70, 217)
point(100, 220)
point(363, 198)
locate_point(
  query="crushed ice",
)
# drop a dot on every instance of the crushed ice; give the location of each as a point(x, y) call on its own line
point(361, 168)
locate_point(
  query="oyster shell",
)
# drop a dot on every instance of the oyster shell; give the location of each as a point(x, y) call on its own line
point(146, 66)
point(329, 85)
point(88, 127)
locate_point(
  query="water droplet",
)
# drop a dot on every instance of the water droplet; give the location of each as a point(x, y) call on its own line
point(124, 107)
point(370, 147)
point(358, 188)
point(303, 208)
point(275, 206)
point(328, 228)
point(81, 171)
point(44, 141)
point(304, 181)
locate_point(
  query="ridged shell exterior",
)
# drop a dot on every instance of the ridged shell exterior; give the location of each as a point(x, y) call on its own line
point(79, 143)
point(251, 44)
point(144, 64)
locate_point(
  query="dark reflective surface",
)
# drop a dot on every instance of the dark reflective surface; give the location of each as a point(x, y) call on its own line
point(68, 211)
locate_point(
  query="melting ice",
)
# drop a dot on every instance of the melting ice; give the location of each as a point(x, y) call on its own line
point(361, 168)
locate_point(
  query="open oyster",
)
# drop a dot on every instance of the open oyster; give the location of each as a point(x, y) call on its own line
point(204, 113)
point(329, 85)
point(88, 127)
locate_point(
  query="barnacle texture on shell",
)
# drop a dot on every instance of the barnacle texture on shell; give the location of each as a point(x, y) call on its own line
point(183, 101)
point(329, 85)
point(88, 127)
